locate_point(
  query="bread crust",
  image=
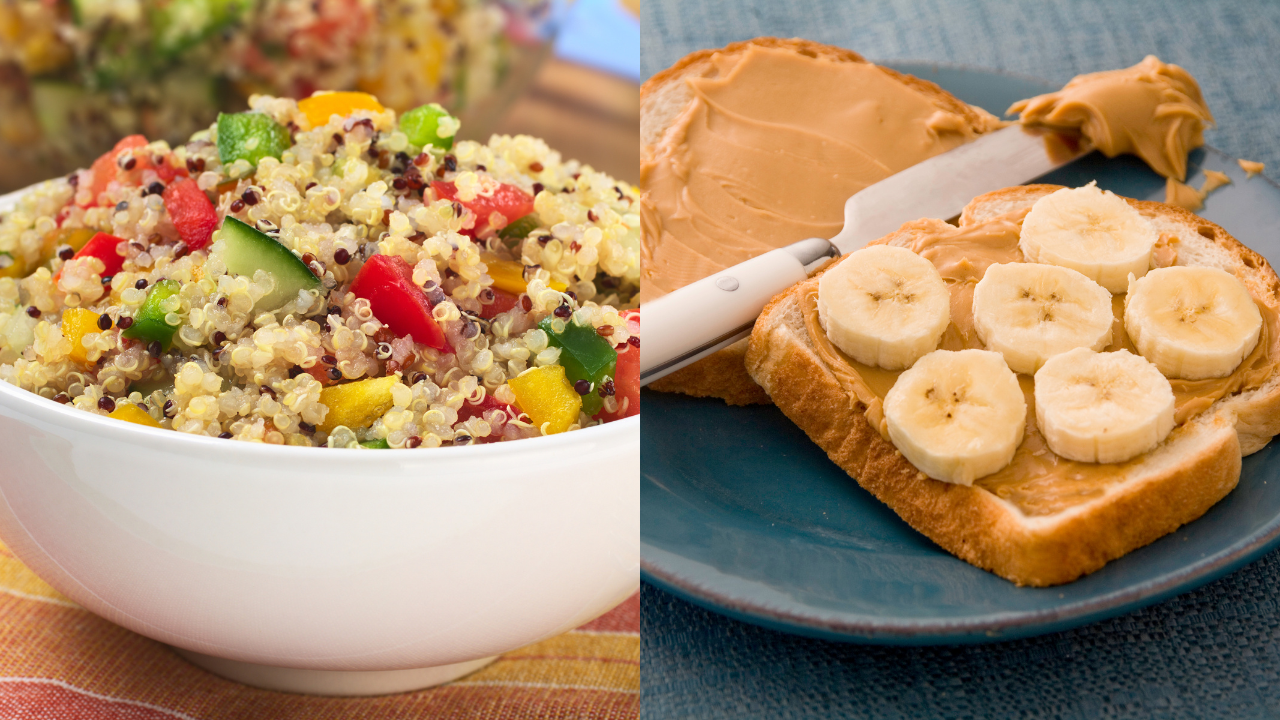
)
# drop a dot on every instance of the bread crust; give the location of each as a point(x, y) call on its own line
point(662, 100)
point(721, 375)
point(800, 45)
point(1176, 483)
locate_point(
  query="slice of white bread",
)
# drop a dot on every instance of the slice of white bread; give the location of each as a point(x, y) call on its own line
point(663, 99)
point(1153, 494)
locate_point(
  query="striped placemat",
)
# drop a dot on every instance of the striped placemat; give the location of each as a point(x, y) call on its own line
point(57, 660)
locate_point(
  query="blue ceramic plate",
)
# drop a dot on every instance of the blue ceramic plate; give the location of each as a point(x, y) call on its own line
point(742, 514)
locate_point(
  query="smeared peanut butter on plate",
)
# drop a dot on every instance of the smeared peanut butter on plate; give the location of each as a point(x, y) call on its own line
point(1250, 167)
point(1182, 195)
point(767, 153)
point(1185, 196)
point(1037, 481)
point(1153, 110)
point(1213, 180)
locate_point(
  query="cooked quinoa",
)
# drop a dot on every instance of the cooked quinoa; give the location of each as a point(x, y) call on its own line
point(339, 195)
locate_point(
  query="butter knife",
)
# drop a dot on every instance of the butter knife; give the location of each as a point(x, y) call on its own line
point(690, 323)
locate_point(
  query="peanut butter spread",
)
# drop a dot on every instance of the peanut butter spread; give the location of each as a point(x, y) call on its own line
point(1250, 167)
point(1037, 481)
point(767, 152)
point(1213, 180)
point(1182, 195)
point(1185, 196)
point(1153, 110)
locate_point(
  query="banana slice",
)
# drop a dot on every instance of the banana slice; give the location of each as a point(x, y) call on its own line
point(957, 415)
point(1102, 407)
point(1029, 313)
point(1192, 322)
point(1091, 231)
point(884, 306)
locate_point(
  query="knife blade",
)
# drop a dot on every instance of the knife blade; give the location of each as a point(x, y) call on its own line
point(688, 324)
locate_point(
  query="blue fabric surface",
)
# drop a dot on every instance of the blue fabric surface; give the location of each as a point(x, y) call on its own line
point(1211, 653)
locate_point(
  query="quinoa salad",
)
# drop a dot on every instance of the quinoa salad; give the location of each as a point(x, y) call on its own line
point(325, 272)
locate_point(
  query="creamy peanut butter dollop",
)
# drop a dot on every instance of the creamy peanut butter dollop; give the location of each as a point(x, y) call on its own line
point(1037, 481)
point(1153, 110)
point(769, 149)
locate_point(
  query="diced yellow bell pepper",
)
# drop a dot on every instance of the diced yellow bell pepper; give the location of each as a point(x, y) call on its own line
point(319, 108)
point(16, 266)
point(372, 84)
point(11, 25)
point(76, 323)
point(129, 412)
point(418, 47)
point(227, 186)
point(356, 404)
point(508, 275)
point(546, 396)
point(77, 238)
point(44, 52)
point(432, 55)
point(12, 267)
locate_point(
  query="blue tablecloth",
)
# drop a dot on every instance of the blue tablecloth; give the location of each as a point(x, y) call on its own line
point(1212, 653)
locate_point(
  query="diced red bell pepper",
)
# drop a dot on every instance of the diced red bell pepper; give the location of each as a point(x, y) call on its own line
point(167, 172)
point(626, 380)
point(103, 247)
point(468, 411)
point(106, 168)
point(502, 302)
point(509, 200)
point(191, 212)
point(338, 24)
point(386, 281)
point(321, 374)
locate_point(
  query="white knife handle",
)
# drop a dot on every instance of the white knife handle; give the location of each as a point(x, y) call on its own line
point(700, 318)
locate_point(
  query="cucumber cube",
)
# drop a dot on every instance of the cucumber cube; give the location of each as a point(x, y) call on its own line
point(247, 251)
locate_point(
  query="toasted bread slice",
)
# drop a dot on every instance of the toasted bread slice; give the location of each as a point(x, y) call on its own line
point(1142, 500)
point(663, 99)
point(720, 375)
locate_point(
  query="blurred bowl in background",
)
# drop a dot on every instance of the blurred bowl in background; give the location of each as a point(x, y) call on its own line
point(76, 75)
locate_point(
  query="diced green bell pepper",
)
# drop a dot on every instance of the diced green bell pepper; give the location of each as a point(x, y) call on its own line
point(519, 229)
point(56, 104)
point(149, 324)
point(585, 356)
point(148, 386)
point(422, 125)
point(250, 136)
point(85, 12)
point(379, 444)
point(179, 25)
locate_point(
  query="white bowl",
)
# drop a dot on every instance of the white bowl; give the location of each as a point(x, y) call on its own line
point(316, 570)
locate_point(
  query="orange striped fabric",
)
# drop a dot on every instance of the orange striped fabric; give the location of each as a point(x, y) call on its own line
point(58, 660)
